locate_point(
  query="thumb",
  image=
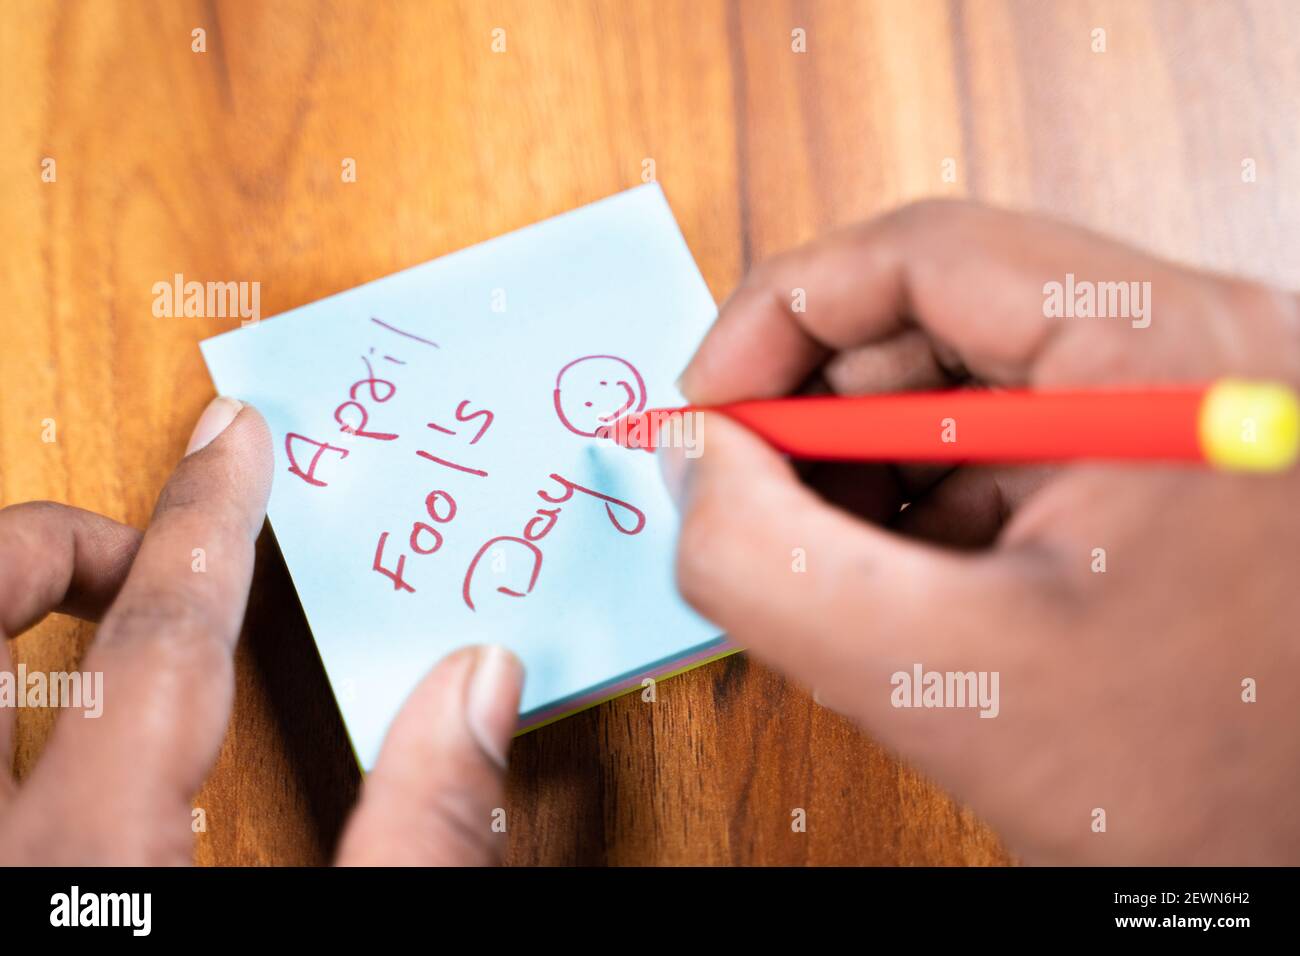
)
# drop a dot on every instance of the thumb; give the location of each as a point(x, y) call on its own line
point(436, 790)
point(835, 602)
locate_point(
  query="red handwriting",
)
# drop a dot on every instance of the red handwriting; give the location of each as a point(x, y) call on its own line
point(360, 429)
point(431, 506)
point(461, 416)
point(540, 525)
point(370, 381)
point(534, 551)
point(378, 390)
point(425, 536)
point(399, 583)
point(409, 335)
point(609, 503)
point(309, 475)
point(451, 464)
point(592, 391)
point(441, 509)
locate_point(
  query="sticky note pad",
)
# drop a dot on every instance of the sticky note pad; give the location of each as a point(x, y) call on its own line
point(439, 481)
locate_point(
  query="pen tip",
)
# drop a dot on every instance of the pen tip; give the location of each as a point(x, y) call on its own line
point(635, 431)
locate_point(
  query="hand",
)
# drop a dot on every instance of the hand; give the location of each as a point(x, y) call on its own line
point(117, 789)
point(1121, 690)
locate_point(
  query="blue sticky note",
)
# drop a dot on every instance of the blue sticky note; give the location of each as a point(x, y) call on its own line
point(437, 480)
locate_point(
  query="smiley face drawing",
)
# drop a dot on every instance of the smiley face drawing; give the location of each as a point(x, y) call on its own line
point(594, 391)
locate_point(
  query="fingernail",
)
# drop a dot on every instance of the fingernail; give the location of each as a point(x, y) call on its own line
point(221, 411)
point(492, 701)
point(675, 468)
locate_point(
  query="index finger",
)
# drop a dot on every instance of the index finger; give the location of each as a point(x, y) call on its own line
point(970, 277)
point(165, 650)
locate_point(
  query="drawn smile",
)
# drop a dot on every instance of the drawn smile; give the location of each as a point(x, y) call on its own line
point(593, 390)
point(631, 400)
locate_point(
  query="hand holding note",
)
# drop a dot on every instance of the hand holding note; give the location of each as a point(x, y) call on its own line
point(1127, 612)
point(115, 788)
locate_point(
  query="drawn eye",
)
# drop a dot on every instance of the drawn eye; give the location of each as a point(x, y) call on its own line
point(604, 383)
point(588, 404)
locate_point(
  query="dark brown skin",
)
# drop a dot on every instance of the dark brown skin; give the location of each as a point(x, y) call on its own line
point(1119, 690)
point(117, 789)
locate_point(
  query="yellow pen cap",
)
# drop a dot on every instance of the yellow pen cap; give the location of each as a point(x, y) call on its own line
point(1250, 426)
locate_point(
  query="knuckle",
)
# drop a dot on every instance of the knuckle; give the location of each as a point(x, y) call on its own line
point(29, 532)
point(13, 518)
point(930, 213)
point(183, 503)
point(39, 507)
point(170, 632)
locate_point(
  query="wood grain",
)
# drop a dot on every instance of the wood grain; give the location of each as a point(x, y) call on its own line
point(225, 165)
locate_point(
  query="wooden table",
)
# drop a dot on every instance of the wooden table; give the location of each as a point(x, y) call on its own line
point(226, 164)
